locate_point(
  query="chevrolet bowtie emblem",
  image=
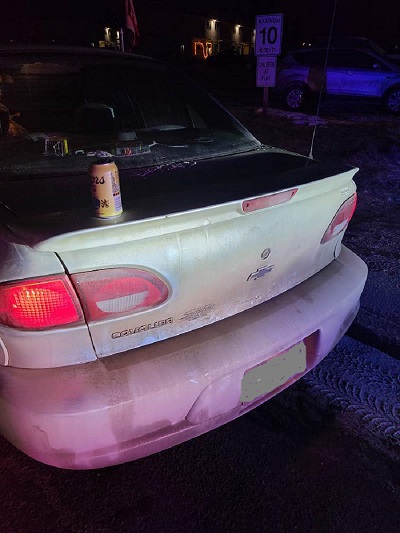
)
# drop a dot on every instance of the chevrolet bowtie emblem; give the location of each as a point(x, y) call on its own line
point(260, 272)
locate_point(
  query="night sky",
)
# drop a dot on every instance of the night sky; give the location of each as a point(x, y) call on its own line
point(303, 19)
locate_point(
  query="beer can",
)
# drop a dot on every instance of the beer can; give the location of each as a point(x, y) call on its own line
point(105, 188)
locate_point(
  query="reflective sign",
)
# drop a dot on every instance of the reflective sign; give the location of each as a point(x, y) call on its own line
point(268, 35)
point(266, 71)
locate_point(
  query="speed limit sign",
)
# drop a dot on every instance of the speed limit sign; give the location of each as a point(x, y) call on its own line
point(268, 35)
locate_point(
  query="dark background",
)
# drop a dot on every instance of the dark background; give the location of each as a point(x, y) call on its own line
point(303, 20)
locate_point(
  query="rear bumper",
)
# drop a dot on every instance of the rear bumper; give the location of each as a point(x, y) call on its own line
point(137, 403)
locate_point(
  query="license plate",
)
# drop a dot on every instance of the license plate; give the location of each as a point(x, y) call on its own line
point(266, 377)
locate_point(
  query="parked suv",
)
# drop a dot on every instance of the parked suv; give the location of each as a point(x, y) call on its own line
point(349, 72)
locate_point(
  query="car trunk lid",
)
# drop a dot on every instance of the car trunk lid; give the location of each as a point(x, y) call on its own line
point(191, 226)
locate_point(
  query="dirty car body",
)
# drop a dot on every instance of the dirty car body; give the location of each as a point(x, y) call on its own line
point(222, 282)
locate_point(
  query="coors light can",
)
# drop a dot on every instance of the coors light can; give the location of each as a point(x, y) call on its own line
point(105, 188)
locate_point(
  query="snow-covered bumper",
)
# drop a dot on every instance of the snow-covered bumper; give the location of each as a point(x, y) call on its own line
point(140, 402)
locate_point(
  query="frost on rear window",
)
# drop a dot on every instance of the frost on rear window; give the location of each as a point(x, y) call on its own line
point(57, 114)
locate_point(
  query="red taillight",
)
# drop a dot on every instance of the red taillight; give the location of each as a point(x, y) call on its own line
point(341, 220)
point(268, 200)
point(39, 303)
point(118, 291)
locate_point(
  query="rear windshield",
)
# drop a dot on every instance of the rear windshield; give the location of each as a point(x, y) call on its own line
point(60, 111)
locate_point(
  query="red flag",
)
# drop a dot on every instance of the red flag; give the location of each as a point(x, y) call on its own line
point(131, 26)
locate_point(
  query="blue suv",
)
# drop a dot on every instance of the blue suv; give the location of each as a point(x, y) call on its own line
point(349, 72)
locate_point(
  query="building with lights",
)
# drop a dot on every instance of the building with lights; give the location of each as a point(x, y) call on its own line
point(172, 34)
point(165, 32)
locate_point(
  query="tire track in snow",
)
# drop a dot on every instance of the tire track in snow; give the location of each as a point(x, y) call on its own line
point(364, 385)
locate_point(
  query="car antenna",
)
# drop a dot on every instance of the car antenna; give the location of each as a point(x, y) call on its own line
point(310, 155)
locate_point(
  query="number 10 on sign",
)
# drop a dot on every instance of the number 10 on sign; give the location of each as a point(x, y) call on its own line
point(268, 35)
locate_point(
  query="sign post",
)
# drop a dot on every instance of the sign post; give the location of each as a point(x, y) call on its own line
point(267, 48)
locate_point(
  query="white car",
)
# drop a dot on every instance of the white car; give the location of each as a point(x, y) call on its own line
point(218, 282)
